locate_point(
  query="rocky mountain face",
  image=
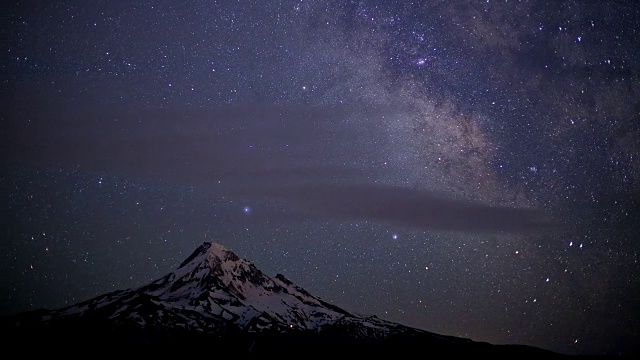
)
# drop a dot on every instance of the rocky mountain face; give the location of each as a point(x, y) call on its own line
point(219, 301)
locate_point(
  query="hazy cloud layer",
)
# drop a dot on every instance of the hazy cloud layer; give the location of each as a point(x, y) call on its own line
point(267, 154)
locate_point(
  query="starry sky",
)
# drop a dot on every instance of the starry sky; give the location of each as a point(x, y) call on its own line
point(470, 168)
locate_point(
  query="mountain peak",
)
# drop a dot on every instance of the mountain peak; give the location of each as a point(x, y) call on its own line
point(215, 279)
point(211, 252)
point(215, 262)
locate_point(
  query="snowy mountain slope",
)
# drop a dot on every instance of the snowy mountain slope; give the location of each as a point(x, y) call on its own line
point(217, 298)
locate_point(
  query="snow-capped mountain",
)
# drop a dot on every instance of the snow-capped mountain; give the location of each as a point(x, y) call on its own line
point(218, 299)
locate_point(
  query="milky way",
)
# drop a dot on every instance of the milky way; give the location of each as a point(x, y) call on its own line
point(470, 168)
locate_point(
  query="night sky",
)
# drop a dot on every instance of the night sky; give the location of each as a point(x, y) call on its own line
point(471, 168)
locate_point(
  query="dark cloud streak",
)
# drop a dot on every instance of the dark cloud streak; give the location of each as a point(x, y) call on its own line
point(403, 207)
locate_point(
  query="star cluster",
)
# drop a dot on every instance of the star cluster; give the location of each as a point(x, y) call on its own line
point(469, 168)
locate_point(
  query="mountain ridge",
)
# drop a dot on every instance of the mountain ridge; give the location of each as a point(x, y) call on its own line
point(216, 298)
